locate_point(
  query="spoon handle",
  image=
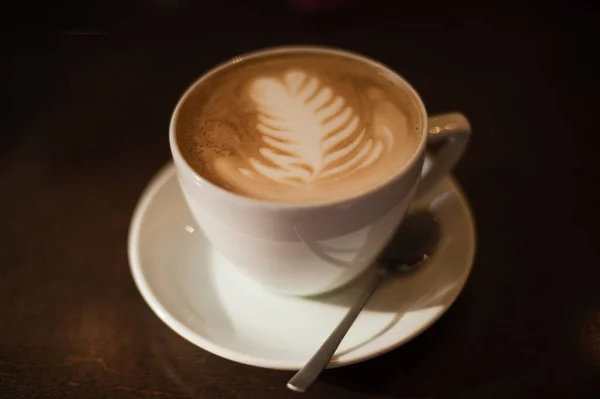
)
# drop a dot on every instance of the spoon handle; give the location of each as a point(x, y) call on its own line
point(307, 375)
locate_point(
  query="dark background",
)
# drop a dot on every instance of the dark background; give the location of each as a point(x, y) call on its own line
point(90, 87)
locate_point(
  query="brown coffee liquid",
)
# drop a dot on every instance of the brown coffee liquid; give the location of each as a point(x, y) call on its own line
point(299, 127)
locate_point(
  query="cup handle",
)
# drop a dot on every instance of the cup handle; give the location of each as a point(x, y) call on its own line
point(453, 130)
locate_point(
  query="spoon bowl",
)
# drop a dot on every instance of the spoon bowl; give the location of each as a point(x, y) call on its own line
point(412, 244)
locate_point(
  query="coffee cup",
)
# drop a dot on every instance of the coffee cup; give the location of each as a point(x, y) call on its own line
point(299, 162)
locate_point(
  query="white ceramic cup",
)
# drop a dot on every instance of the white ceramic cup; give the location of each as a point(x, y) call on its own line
point(310, 249)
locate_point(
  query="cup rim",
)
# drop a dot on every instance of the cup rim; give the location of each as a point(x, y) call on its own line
point(270, 204)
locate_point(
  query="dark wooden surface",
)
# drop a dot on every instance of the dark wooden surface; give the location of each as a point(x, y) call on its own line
point(89, 98)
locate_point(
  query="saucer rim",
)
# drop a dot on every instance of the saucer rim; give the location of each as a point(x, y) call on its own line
point(168, 172)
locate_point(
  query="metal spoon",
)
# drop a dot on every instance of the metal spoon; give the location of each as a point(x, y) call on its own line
point(409, 248)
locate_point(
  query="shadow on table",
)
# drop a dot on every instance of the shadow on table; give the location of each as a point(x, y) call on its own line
point(394, 374)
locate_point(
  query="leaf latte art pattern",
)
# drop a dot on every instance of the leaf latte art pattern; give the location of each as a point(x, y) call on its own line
point(309, 133)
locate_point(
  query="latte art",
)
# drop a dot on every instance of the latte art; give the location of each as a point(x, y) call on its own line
point(309, 132)
point(305, 128)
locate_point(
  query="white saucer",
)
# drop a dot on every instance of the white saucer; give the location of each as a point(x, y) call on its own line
point(199, 294)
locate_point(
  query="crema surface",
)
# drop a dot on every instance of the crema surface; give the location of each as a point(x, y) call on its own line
point(299, 127)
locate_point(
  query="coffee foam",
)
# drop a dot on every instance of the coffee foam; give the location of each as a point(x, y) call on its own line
point(298, 128)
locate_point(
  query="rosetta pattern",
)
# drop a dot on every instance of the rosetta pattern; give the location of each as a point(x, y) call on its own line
point(309, 133)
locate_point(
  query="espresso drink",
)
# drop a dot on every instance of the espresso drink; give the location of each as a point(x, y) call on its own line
point(299, 127)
